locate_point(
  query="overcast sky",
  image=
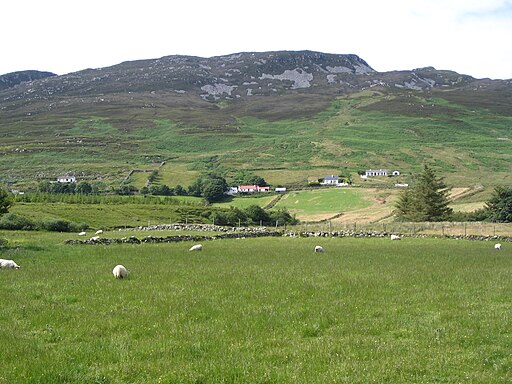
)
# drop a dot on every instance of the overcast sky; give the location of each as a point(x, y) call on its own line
point(472, 37)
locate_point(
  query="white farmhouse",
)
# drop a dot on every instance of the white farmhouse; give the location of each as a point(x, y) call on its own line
point(330, 180)
point(66, 179)
point(376, 172)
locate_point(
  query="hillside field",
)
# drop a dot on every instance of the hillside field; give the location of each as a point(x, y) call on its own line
point(467, 144)
point(256, 310)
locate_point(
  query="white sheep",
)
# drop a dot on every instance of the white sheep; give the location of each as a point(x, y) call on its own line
point(395, 237)
point(82, 234)
point(99, 232)
point(319, 248)
point(120, 272)
point(8, 264)
point(94, 238)
point(197, 247)
point(497, 247)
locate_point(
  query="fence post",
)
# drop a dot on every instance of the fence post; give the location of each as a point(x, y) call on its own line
point(465, 231)
point(277, 221)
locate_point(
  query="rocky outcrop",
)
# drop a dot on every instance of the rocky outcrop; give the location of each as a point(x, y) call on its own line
point(10, 80)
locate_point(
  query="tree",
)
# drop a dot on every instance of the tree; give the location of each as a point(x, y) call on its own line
point(281, 216)
point(247, 178)
point(5, 201)
point(84, 188)
point(213, 190)
point(427, 200)
point(45, 186)
point(209, 186)
point(257, 214)
point(126, 189)
point(499, 207)
point(180, 191)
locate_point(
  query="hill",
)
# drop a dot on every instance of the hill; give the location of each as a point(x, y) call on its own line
point(284, 115)
point(10, 80)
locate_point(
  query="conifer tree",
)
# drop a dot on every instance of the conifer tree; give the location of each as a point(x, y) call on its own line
point(499, 207)
point(427, 200)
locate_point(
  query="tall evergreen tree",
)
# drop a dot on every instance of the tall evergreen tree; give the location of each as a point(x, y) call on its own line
point(499, 207)
point(427, 200)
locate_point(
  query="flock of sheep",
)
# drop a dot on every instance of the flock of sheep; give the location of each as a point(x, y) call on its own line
point(120, 271)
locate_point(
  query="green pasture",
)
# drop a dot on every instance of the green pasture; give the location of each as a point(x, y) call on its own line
point(115, 215)
point(327, 200)
point(368, 130)
point(245, 201)
point(265, 310)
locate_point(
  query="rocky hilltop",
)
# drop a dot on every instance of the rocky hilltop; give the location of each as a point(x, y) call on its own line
point(187, 82)
point(237, 76)
point(10, 80)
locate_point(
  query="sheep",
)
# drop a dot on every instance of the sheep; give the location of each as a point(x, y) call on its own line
point(497, 247)
point(82, 234)
point(120, 272)
point(99, 232)
point(395, 237)
point(197, 247)
point(8, 264)
point(94, 238)
point(319, 248)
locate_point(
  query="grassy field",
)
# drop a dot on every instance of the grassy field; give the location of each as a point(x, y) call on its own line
point(319, 204)
point(105, 215)
point(243, 202)
point(256, 311)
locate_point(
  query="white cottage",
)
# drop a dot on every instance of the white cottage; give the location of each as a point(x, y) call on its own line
point(66, 179)
point(330, 180)
point(376, 172)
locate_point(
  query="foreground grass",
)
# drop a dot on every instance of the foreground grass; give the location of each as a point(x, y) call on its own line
point(257, 310)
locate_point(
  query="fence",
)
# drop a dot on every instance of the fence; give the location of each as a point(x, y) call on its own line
point(428, 228)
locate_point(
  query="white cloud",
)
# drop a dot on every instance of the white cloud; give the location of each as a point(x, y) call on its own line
point(467, 36)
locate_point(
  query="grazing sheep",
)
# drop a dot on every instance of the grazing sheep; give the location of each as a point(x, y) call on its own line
point(94, 238)
point(497, 247)
point(319, 248)
point(8, 264)
point(197, 247)
point(395, 237)
point(120, 272)
point(82, 234)
point(99, 232)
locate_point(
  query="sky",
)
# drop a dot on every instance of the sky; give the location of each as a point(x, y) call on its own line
point(472, 37)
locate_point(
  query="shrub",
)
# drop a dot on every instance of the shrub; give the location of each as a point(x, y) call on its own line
point(13, 221)
point(58, 225)
point(3, 242)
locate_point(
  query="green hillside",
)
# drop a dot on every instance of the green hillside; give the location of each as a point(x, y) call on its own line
point(400, 130)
